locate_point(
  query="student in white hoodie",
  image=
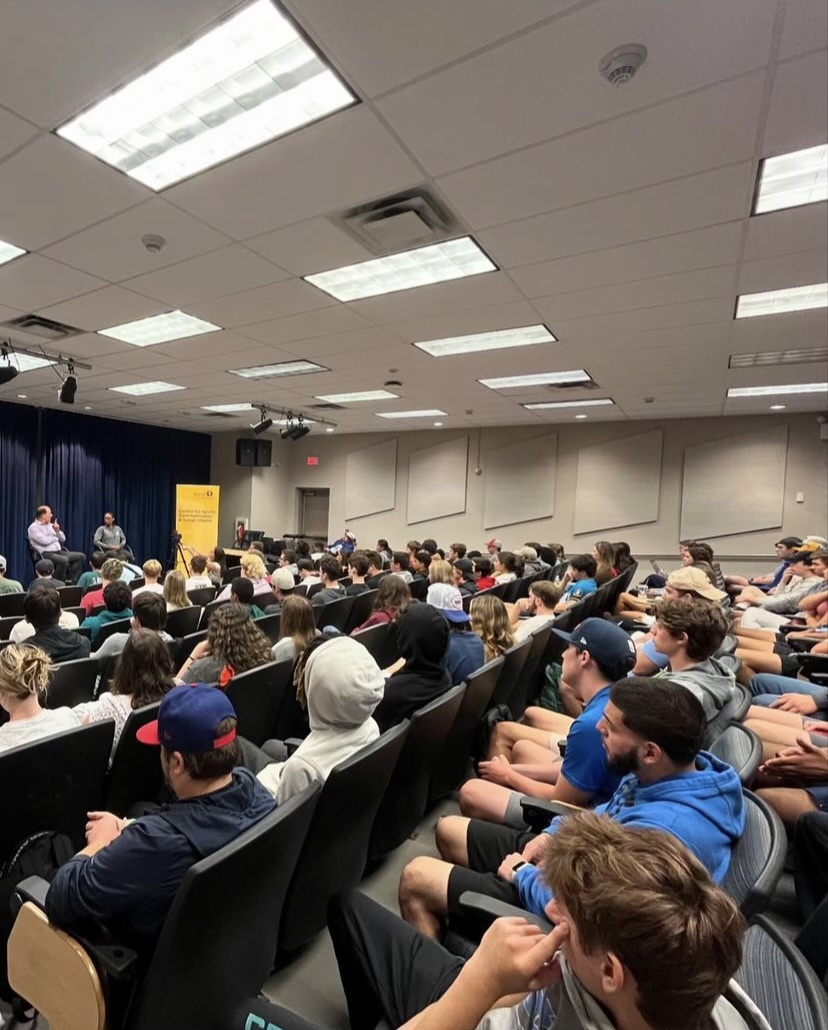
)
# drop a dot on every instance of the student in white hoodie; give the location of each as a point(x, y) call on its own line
point(342, 686)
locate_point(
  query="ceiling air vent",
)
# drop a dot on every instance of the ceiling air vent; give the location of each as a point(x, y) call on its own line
point(327, 406)
point(590, 384)
point(210, 414)
point(45, 328)
point(414, 218)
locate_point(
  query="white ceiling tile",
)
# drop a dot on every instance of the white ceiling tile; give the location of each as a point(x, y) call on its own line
point(278, 299)
point(798, 111)
point(439, 298)
point(805, 27)
point(50, 189)
point(321, 347)
point(778, 273)
point(113, 248)
point(344, 159)
point(786, 232)
point(33, 282)
point(524, 82)
point(221, 272)
point(286, 331)
point(630, 152)
point(14, 132)
point(102, 308)
point(474, 320)
point(313, 246)
point(594, 326)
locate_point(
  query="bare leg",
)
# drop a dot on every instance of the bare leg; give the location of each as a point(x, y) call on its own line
point(761, 639)
point(760, 661)
point(506, 734)
point(480, 799)
point(450, 836)
point(424, 894)
point(789, 802)
point(751, 594)
point(550, 722)
point(528, 753)
point(774, 736)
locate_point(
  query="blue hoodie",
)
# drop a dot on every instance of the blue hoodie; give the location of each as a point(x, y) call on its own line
point(703, 809)
point(130, 884)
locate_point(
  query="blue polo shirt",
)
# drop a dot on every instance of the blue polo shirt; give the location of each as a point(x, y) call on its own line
point(580, 588)
point(585, 762)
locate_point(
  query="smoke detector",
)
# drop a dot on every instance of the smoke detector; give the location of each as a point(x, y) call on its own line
point(621, 64)
point(154, 244)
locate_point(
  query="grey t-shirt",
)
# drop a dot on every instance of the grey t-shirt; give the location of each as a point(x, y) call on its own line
point(715, 686)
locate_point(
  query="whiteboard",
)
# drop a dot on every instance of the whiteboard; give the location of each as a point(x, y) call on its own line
point(371, 479)
point(619, 483)
point(735, 485)
point(437, 480)
point(520, 482)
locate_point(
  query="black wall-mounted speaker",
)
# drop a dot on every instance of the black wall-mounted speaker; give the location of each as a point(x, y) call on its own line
point(254, 453)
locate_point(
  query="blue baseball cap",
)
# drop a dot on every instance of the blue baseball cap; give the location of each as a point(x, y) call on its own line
point(607, 643)
point(188, 720)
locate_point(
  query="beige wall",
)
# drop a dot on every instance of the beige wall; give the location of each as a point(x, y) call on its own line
point(272, 492)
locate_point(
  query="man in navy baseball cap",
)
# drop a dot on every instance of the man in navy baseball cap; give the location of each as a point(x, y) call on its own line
point(129, 872)
point(607, 644)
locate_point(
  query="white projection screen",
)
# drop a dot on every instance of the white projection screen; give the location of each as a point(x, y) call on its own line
point(735, 485)
point(520, 482)
point(619, 483)
point(371, 480)
point(437, 481)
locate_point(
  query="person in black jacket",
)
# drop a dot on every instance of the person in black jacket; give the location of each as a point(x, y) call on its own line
point(42, 609)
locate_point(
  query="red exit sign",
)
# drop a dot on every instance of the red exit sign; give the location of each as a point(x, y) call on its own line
point(312, 460)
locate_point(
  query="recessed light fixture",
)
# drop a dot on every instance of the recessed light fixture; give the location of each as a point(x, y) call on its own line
point(227, 408)
point(798, 356)
point(771, 391)
point(22, 396)
point(8, 252)
point(791, 180)
point(500, 339)
point(330, 429)
point(28, 362)
point(779, 302)
point(438, 423)
point(545, 405)
point(172, 325)
point(87, 407)
point(243, 83)
point(353, 398)
point(424, 413)
point(283, 368)
point(142, 389)
point(580, 416)
point(437, 263)
point(778, 407)
point(577, 375)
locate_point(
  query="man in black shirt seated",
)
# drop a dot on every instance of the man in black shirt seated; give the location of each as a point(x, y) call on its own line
point(42, 609)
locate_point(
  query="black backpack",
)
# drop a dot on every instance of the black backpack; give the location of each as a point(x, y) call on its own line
point(39, 854)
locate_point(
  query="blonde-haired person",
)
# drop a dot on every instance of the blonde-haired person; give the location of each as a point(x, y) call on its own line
point(152, 570)
point(254, 569)
point(234, 644)
point(490, 621)
point(24, 674)
point(440, 571)
point(175, 591)
point(111, 572)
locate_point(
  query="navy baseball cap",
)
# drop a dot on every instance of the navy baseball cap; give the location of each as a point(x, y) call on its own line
point(607, 643)
point(188, 720)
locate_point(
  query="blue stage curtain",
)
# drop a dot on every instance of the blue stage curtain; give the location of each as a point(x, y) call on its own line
point(18, 462)
point(93, 465)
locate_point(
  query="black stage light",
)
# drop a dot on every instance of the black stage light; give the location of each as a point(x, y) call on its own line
point(66, 393)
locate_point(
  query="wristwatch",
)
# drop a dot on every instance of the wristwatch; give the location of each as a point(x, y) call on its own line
point(518, 865)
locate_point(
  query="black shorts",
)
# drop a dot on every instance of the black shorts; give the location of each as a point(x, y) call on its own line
point(787, 658)
point(488, 844)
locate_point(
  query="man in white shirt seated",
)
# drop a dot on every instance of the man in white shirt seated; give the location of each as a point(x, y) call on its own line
point(198, 577)
point(540, 605)
point(307, 576)
point(152, 573)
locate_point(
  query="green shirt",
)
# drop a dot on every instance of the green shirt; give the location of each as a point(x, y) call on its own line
point(89, 579)
point(10, 586)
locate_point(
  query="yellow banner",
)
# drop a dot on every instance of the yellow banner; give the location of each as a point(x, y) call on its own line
point(196, 517)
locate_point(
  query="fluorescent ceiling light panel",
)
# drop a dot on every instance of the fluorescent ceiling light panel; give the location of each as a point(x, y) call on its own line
point(500, 339)
point(247, 81)
point(791, 180)
point(142, 389)
point(27, 363)
point(366, 395)
point(778, 302)
point(8, 252)
point(453, 259)
point(172, 325)
point(545, 405)
point(577, 375)
point(800, 356)
point(772, 391)
point(283, 368)
point(227, 408)
point(425, 413)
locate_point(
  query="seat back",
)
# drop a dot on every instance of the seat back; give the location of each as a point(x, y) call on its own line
point(186, 645)
point(110, 628)
point(534, 667)
point(335, 613)
point(7, 623)
point(201, 596)
point(72, 683)
point(511, 687)
point(741, 748)
point(70, 596)
point(777, 978)
point(269, 625)
point(757, 859)
point(336, 850)
point(11, 604)
point(516, 589)
point(406, 798)
point(258, 696)
point(53, 783)
point(183, 621)
point(419, 589)
point(219, 938)
point(135, 774)
point(208, 610)
point(363, 603)
point(381, 641)
point(450, 767)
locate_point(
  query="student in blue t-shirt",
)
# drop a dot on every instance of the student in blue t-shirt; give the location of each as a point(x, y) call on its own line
point(579, 581)
point(523, 759)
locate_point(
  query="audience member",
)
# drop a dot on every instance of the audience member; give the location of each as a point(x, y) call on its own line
point(217, 557)
point(464, 576)
point(785, 549)
point(118, 600)
point(578, 581)
point(375, 574)
point(296, 629)
point(341, 685)
point(430, 546)
point(110, 573)
point(8, 586)
point(506, 567)
point(330, 571)
point(149, 614)
point(493, 546)
point(483, 568)
point(241, 592)
point(234, 644)
point(357, 570)
point(604, 554)
point(287, 560)
point(490, 621)
point(44, 577)
point(653, 734)
point(538, 609)
point(558, 551)
point(307, 574)
point(143, 675)
point(175, 591)
point(666, 942)
point(465, 652)
point(790, 695)
point(422, 640)
point(439, 571)
point(795, 780)
point(345, 545)
point(24, 630)
point(151, 570)
point(92, 578)
point(412, 547)
point(198, 578)
point(420, 563)
point(399, 566)
point(252, 568)
point(47, 539)
point(771, 612)
point(383, 550)
point(283, 586)
point(111, 539)
point(393, 596)
point(42, 610)
point(129, 872)
point(455, 553)
point(24, 678)
point(688, 583)
point(623, 556)
point(695, 551)
point(531, 562)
